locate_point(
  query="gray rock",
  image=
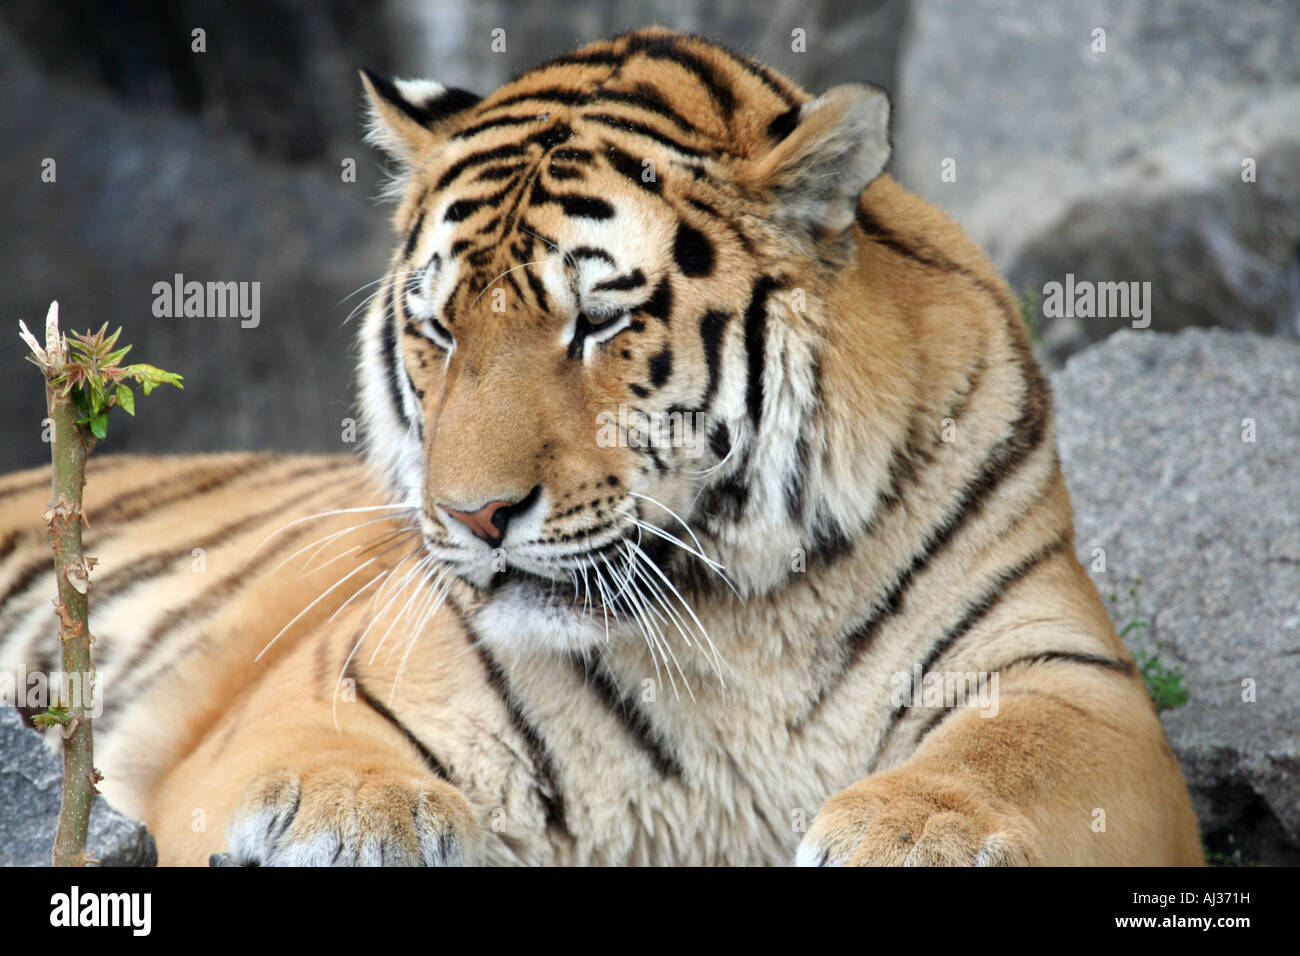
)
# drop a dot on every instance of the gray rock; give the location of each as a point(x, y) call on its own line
point(142, 195)
point(30, 787)
point(1151, 437)
point(1117, 166)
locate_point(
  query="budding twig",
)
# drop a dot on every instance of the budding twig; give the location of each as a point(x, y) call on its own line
point(83, 380)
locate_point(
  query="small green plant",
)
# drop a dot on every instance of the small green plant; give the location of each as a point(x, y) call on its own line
point(1164, 683)
point(1030, 302)
point(84, 380)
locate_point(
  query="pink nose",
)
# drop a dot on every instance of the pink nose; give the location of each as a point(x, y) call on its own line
point(488, 522)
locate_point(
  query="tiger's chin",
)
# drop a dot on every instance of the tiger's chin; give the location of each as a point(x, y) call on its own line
point(521, 612)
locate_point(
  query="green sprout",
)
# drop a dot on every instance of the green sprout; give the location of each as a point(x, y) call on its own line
point(1164, 683)
point(97, 381)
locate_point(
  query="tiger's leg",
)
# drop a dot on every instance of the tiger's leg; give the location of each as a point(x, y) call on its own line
point(277, 781)
point(1073, 769)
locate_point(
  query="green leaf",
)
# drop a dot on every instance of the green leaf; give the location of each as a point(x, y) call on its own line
point(126, 399)
point(53, 716)
point(99, 425)
point(114, 358)
point(151, 377)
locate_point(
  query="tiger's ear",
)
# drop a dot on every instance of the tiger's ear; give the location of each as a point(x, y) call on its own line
point(405, 114)
point(838, 145)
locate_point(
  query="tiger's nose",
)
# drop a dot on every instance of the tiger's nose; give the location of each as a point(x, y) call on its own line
point(490, 522)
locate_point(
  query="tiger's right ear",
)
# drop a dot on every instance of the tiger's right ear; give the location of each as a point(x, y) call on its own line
point(837, 145)
point(405, 114)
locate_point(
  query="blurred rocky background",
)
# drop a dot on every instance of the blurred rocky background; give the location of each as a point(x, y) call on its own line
point(1108, 140)
point(1164, 149)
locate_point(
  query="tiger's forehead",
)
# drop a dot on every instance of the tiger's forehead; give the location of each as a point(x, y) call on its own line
point(569, 186)
point(546, 219)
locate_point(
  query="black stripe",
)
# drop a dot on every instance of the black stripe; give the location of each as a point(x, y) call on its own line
point(436, 766)
point(571, 154)
point(668, 49)
point(930, 257)
point(157, 563)
point(769, 79)
point(550, 94)
point(756, 345)
point(974, 613)
point(632, 280)
point(645, 97)
point(1072, 657)
point(591, 252)
point(661, 366)
point(704, 207)
point(479, 158)
point(389, 355)
point(795, 488)
point(471, 131)
point(712, 325)
point(979, 608)
point(720, 440)
point(210, 601)
point(631, 167)
point(633, 720)
point(725, 500)
point(93, 467)
point(546, 783)
point(783, 124)
point(641, 129)
point(129, 506)
point(660, 303)
point(8, 543)
point(413, 237)
point(462, 209)
point(554, 135)
point(495, 174)
point(539, 290)
point(603, 56)
point(941, 714)
point(585, 207)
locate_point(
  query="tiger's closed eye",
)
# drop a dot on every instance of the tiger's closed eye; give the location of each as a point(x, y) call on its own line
point(437, 333)
point(421, 309)
point(589, 330)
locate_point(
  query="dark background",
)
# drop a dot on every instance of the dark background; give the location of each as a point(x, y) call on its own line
point(225, 165)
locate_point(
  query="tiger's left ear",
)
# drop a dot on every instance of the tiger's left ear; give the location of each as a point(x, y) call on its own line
point(839, 144)
point(405, 114)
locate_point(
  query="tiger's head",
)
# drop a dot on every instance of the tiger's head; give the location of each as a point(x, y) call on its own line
point(592, 369)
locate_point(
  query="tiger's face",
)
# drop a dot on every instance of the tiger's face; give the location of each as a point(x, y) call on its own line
point(568, 367)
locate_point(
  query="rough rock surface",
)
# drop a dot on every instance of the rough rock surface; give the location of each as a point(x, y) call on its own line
point(1122, 165)
point(30, 778)
point(1151, 437)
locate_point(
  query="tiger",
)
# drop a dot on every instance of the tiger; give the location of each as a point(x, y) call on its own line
point(695, 454)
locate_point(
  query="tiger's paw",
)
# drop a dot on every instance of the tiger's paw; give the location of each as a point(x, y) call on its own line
point(347, 817)
point(911, 819)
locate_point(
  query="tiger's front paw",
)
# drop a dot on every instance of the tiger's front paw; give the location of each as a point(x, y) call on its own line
point(348, 817)
point(903, 818)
